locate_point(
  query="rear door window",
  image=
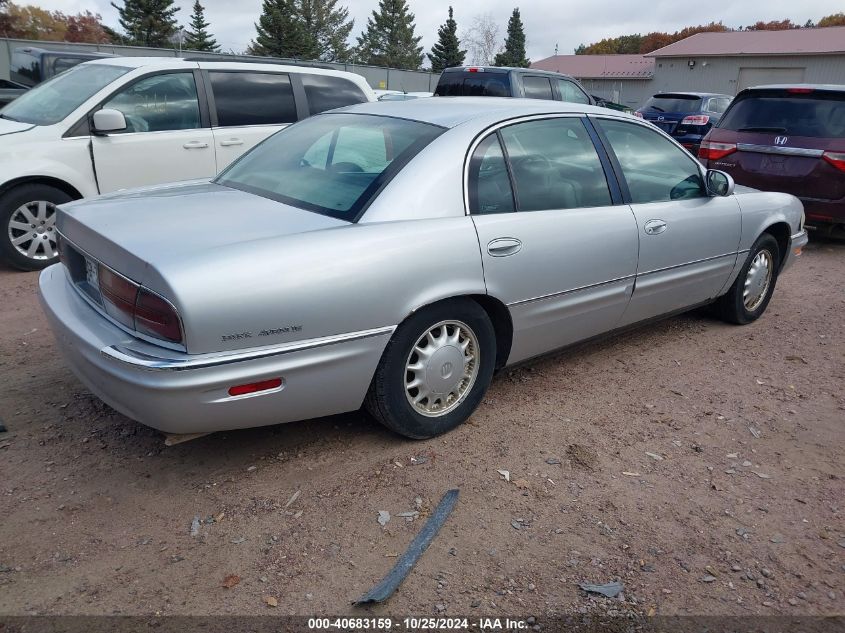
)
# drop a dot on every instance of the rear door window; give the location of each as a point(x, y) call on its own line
point(718, 104)
point(479, 84)
point(537, 88)
point(655, 169)
point(570, 92)
point(814, 114)
point(326, 92)
point(244, 98)
point(555, 165)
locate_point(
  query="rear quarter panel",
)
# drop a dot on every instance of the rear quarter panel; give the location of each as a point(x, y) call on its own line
point(334, 281)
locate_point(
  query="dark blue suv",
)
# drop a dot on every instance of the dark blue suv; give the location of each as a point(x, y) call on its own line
point(686, 116)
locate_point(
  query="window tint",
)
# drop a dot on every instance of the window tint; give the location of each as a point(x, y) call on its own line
point(25, 68)
point(570, 92)
point(326, 92)
point(655, 169)
point(537, 88)
point(489, 183)
point(252, 98)
point(159, 103)
point(555, 165)
point(332, 164)
point(478, 84)
point(816, 114)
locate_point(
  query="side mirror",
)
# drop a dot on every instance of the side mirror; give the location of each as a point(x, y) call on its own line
point(719, 183)
point(109, 120)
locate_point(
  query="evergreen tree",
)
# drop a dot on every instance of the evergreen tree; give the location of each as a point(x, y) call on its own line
point(280, 31)
point(198, 38)
point(447, 51)
point(389, 39)
point(514, 53)
point(328, 27)
point(147, 22)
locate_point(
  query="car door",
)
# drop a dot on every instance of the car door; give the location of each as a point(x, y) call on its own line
point(569, 91)
point(165, 138)
point(688, 239)
point(246, 108)
point(558, 246)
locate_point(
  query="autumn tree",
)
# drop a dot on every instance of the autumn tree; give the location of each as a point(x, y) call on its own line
point(447, 52)
point(773, 25)
point(514, 53)
point(837, 19)
point(482, 40)
point(34, 23)
point(197, 37)
point(390, 38)
point(86, 27)
point(147, 22)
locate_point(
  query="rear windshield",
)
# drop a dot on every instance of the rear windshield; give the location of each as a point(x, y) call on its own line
point(478, 84)
point(333, 164)
point(674, 103)
point(815, 114)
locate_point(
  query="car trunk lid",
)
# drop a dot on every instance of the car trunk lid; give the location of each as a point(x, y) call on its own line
point(160, 227)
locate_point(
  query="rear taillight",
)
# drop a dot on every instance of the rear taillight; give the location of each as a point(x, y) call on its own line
point(696, 119)
point(154, 316)
point(799, 91)
point(639, 115)
point(837, 159)
point(137, 308)
point(714, 151)
point(118, 295)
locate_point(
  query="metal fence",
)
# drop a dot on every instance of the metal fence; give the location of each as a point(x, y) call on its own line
point(378, 77)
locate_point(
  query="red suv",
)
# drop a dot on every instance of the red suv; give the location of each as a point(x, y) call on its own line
point(786, 138)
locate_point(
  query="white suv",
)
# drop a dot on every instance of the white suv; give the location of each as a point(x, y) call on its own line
point(130, 121)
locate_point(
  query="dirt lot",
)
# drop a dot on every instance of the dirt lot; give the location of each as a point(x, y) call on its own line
point(699, 463)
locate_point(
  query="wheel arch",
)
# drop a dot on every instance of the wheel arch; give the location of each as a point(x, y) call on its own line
point(781, 231)
point(58, 183)
point(498, 314)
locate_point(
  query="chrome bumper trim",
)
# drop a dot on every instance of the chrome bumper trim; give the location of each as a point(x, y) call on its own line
point(143, 361)
point(777, 149)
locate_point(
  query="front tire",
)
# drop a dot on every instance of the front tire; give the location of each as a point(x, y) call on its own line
point(435, 370)
point(27, 225)
point(752, 290)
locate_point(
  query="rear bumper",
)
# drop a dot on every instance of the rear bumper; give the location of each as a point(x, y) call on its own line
point(796, 243)
point(182, 393)
point(824, 211)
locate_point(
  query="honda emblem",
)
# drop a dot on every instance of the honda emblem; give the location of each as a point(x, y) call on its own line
point(781, 140)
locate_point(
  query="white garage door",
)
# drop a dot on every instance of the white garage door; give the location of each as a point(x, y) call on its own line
point(762, 76)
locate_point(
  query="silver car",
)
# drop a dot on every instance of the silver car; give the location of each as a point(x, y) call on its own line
point(395, 255)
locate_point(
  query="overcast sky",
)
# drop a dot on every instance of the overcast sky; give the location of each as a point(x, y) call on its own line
point(547, 22)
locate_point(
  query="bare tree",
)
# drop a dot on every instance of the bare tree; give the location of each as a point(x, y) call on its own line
point(482, 40)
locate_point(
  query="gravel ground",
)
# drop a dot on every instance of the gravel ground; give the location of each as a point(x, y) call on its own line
point(699, 463)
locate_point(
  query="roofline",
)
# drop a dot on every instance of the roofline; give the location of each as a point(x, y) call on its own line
point(711, 54)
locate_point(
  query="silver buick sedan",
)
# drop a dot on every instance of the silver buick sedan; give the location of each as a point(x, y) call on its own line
point(395, 255)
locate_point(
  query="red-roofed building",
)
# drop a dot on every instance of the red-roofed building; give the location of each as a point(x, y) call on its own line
point(723, 63)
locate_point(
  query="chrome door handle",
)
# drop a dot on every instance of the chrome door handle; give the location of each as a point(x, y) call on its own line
point(195, 145)
point(504, 246)
point(655, 227)
point(231, 141)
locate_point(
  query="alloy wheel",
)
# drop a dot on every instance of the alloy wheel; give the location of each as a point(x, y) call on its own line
point(757, 280)
point(32, 230)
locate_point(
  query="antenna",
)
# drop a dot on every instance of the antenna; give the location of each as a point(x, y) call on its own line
point(556, 49)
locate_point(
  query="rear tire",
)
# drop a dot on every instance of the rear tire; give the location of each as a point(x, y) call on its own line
point(435, 370)
point(27, 225)
point(752, 290)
